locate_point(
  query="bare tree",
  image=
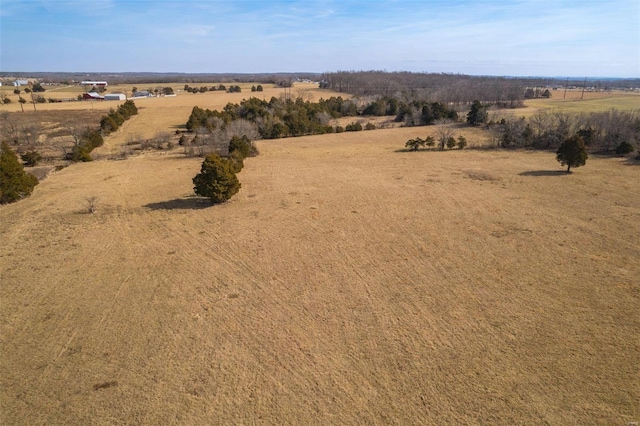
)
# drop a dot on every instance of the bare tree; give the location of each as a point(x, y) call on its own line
point(31, 133)
point(10, 128)
point(443, 130)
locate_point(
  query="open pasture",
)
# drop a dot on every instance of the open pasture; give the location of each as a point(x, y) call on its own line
point(346, 283)
point(591, 102)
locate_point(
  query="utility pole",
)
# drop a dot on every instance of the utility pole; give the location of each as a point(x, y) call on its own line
point(583, 84)
point(566, 83)
point(32, 98)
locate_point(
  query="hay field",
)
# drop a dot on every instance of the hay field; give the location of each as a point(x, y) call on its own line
point(345, 283)
point(592, 102)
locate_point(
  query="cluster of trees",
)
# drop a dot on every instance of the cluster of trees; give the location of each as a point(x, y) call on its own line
point(17, 131)
point(281, 117)
point(15, 183)
point(257, 88)
point(165, 90)
point(221, 87)
point(218, 179)
point(84, 141)
point(444, 140)
point(115, 118)
point(445, 88)
point(423, 113)
point(606, 132)
point(37, 87)
point(536, 92)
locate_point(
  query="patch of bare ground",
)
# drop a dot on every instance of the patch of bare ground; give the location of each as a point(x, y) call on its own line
point(345, 283)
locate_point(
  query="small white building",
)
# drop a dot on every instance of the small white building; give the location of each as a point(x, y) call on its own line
point(21, 83)
point(94, 83)
point(115, 97)
point(142, 94)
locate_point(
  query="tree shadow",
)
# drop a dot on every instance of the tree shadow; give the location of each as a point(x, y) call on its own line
point(192, 203)
point(545, 173)
point(414, 151)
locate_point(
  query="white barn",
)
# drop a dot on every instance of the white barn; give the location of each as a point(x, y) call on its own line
point(115, 97)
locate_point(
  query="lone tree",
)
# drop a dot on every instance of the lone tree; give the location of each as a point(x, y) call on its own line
point(15, 183)
point(478, 114)
point(217, 179)
point(572, 153)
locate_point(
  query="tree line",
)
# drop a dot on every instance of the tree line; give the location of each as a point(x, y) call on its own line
point(280, 117)
point(604, 132)
point(506, 92)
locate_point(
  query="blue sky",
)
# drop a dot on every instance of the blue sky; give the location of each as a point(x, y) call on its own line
point(505, 37)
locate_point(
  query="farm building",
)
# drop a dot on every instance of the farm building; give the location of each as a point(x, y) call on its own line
point(21, 83)
point(142, 94)
point(115, 97)
point(94, 83)
point(92, 95)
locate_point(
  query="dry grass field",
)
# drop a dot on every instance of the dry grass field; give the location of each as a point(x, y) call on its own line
point(346, 283)
point(590, 102)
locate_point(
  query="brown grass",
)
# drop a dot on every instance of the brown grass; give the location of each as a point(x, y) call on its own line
point(345, 283)
point(572, 103)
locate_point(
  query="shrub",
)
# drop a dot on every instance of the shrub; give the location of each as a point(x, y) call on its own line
point(15, 183)
point(238, 161)
point(462, 142)
point(624, 148)
point(217, 179)
point(31, 158)
point(89, 140)
point(79, 153)
point(240, 145)
point(353, 127)
point(415, 144)
point(370, 126)
point(339, 129)
point(451, 142)
point(430, 141)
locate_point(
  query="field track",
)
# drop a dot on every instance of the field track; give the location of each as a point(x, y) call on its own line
point(346, 283)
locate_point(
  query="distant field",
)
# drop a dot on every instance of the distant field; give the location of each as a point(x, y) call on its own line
point(592, 102)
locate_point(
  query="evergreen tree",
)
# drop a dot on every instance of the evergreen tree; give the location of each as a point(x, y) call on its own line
point(624, 148)
point(217, 179)
point(572, 153)
point(478, 114)
point(15, 183)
